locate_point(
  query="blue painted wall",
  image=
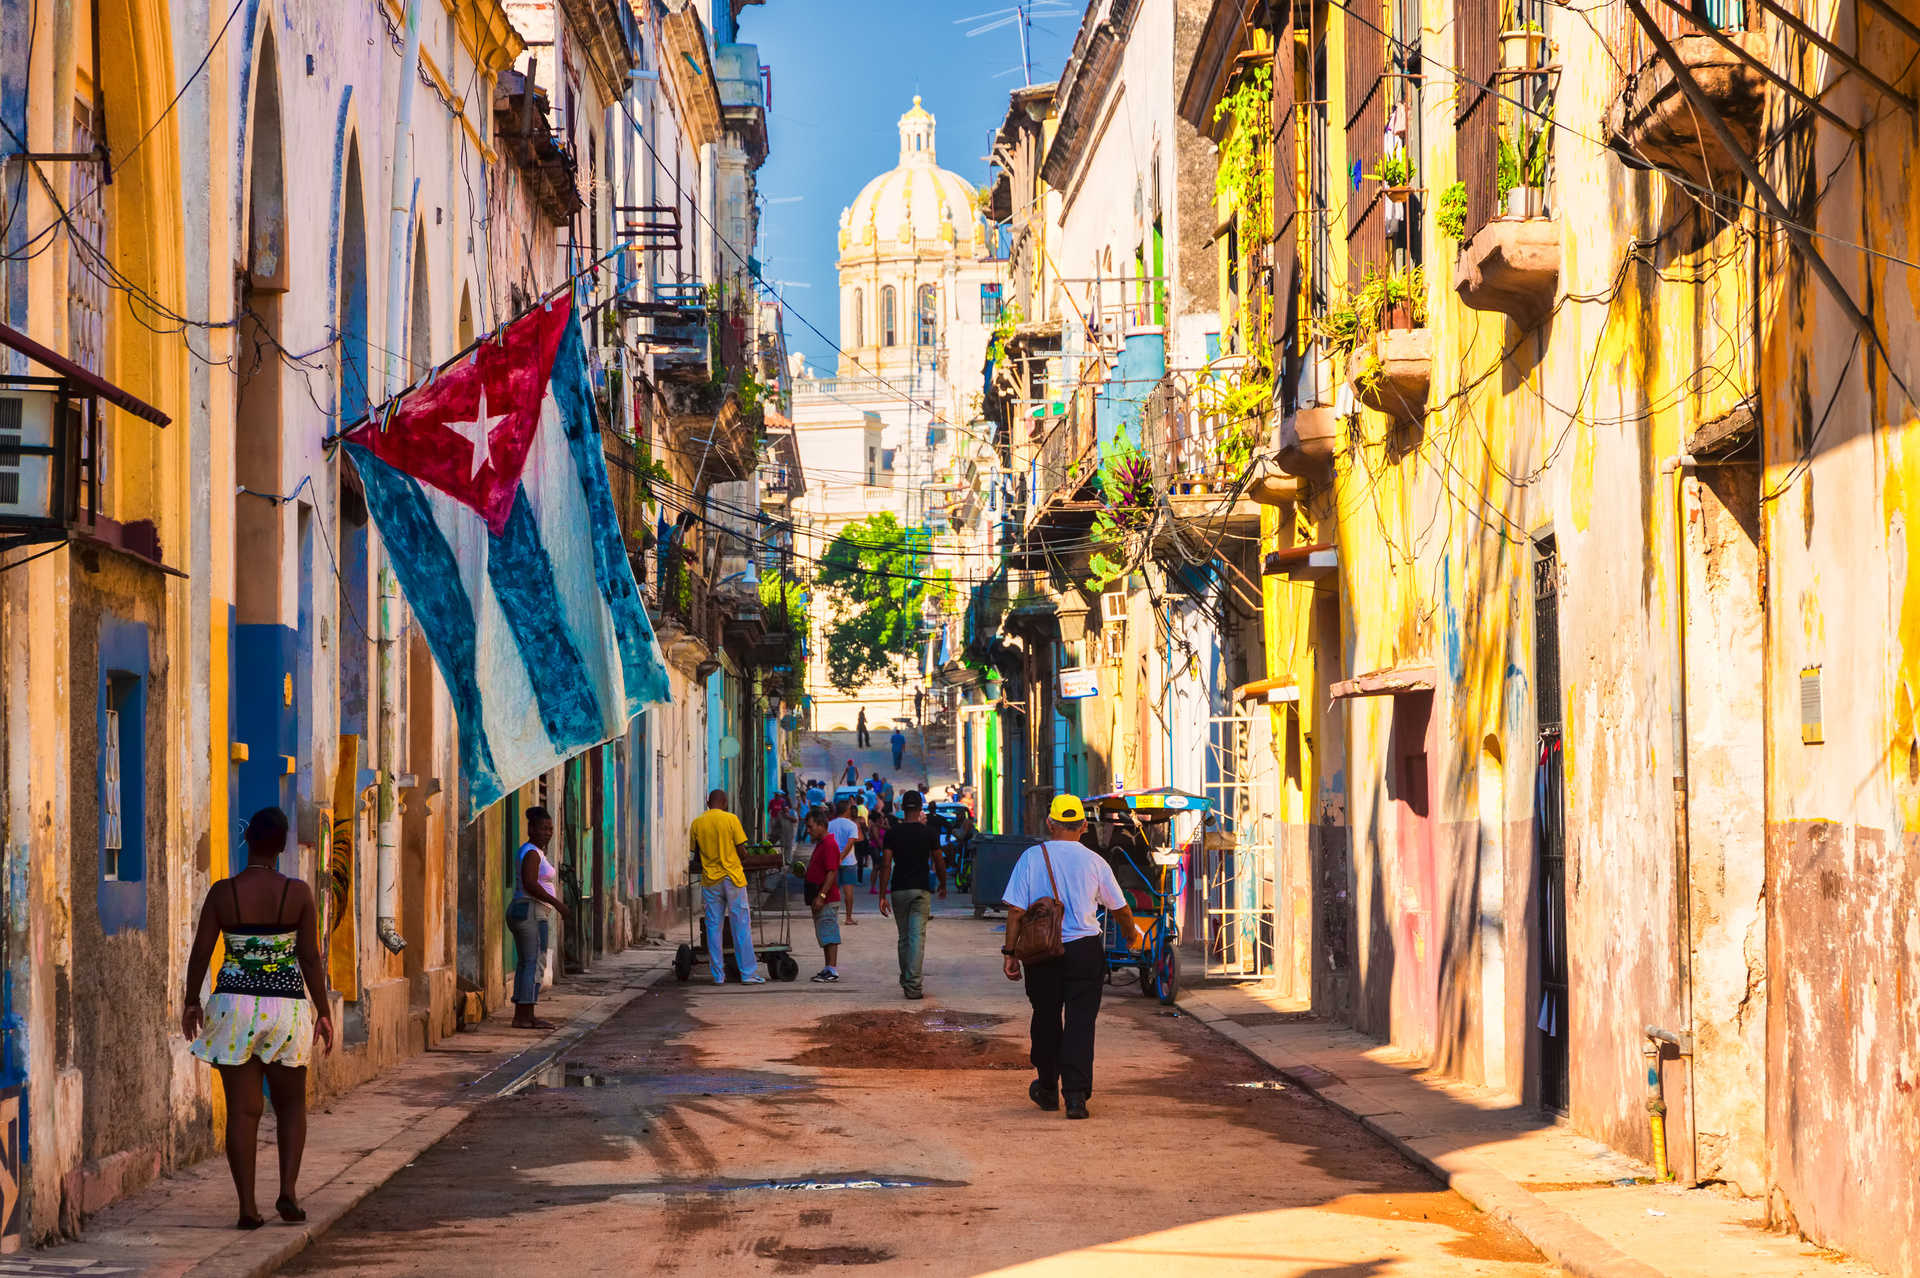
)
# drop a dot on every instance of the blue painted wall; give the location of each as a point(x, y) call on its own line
point(1141, 365)
point(262, 664)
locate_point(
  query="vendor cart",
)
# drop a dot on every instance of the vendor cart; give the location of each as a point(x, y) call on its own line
point(769, 898)
point(1137, 839)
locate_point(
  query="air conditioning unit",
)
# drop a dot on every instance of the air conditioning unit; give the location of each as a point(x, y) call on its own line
point(1113, 608)
point(28, 456)
point(1113, 642)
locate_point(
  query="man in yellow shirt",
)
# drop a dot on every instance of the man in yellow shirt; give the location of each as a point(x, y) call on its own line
point(717, 839)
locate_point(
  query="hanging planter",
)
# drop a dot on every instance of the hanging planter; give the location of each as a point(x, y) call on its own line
point(1523, 48)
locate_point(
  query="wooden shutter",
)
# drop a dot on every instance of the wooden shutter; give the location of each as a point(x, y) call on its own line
point(1366, 122)
point(1286, 204)
point(1476, 119)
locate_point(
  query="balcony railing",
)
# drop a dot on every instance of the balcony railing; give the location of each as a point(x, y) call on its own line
point(1066, 460)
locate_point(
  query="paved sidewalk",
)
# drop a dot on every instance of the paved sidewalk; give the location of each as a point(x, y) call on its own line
point(1589, 1209)
point(183, 1224)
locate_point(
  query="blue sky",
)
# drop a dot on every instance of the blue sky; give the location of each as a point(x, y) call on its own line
point(843, 72)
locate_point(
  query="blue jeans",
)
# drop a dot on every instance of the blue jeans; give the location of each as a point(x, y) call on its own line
point(911, 910)
point(725, 895)
point(530, 948)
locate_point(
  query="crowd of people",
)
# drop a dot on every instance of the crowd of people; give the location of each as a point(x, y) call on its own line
point(866, 836)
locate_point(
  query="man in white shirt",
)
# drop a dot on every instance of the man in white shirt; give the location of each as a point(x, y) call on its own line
point(1065, 991)
point(845, 833)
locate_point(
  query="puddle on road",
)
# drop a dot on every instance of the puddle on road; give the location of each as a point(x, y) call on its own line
point(1264, 1085)
point(565, 1074)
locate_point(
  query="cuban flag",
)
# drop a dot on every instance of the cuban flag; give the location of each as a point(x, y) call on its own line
point(489, 489)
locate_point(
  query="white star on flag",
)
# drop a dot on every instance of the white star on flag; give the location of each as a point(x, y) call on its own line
point(479, 432)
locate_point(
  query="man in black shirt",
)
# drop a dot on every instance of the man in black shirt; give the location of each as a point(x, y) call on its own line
point(910, 868)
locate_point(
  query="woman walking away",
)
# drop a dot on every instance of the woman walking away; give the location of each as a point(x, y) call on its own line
point(268, 1003)
point(535, 891)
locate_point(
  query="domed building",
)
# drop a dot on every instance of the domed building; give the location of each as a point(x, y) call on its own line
point(895, 428)
point(913, 253)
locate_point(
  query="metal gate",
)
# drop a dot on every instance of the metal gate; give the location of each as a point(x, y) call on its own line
point(1237, 851)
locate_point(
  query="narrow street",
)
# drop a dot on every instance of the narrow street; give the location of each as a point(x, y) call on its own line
point(793, 1128)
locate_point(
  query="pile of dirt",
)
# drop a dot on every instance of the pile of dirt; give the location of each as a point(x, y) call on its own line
point(936, 1039)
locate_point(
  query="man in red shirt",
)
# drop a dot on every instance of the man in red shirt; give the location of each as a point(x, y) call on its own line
point(823, 893)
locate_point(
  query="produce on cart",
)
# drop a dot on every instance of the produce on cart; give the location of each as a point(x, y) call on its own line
point(769, 900)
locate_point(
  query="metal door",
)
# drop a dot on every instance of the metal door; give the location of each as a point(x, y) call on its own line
point(1236, 852)
point(1549, 824)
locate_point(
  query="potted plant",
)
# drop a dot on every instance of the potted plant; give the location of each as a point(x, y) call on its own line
point(1396, 174)
point(1523, 174)
point(1522, 45)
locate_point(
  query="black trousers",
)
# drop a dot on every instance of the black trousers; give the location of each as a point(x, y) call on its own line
point(1065, 993)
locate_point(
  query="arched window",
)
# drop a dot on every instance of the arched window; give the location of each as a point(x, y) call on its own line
point(928, 314)
point(889, 328)
point(859, 317)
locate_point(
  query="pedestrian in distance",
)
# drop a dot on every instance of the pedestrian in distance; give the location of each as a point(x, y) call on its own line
point(899, 743)
point(782, 813)
point(910, 868)
point(823, 895)
point(269, 1002)
point(816, 794)
point(879, 821)
point(718, 840)
point(862, 738)
point(536, 889)
point(1064, 987)
point(852, 775)
point(845, 834)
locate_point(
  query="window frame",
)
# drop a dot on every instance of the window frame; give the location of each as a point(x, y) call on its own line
point(123, 690)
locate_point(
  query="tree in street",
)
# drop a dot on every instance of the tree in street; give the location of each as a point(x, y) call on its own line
point(869, 574)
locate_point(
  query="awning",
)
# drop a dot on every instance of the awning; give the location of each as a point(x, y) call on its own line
point(1163, 799)
point(14, 339)
point(1385, 683)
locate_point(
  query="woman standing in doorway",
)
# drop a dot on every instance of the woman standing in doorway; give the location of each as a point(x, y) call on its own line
point(535, 885)
point(268, 1003)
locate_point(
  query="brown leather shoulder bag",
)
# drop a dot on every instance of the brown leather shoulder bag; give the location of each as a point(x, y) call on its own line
point(1039, 938)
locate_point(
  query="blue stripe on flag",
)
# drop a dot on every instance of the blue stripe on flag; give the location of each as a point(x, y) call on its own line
point(641, 663)
point(430, 577)
point(521, 574)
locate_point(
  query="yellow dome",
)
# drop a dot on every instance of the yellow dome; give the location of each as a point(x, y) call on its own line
point(915, 201)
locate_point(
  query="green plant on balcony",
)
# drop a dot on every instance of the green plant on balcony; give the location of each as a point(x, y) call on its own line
point(1394, 170)
point(1243, 184)
point(1451, 215)
point(1352, 322)
point(1003, 332)
point(1125, 483)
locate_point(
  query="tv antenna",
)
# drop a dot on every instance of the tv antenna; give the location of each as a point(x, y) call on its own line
point(1020, 16)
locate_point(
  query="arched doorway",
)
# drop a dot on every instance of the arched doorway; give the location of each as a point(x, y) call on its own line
point(264, 643)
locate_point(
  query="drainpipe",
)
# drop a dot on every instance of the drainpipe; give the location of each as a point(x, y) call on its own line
point(1677, 467)
point(399, 238)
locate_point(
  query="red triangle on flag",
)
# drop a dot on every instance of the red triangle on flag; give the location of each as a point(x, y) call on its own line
point(467, 432)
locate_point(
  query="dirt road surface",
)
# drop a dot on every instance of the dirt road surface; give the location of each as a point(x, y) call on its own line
point(816, 1129)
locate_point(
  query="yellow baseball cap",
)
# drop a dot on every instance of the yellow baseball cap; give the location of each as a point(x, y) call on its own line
point(1066, 809)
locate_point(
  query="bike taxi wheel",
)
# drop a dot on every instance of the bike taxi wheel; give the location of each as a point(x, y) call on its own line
point(1166, 976)
point(683, 962)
